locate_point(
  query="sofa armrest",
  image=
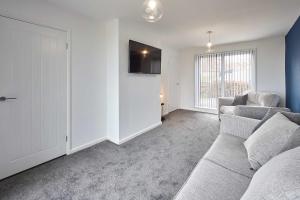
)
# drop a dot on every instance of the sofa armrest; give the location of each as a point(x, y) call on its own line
point(255, 112)
point(224, 101)
point(238, 126)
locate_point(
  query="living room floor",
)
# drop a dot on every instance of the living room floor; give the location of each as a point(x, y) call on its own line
point(152, 166)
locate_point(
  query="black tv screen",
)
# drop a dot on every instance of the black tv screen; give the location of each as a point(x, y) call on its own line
point(144, 59)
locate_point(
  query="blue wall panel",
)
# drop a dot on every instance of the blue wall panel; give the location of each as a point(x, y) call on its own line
point(292, 67)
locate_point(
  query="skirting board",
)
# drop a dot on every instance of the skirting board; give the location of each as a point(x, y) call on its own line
point(87, 145)
point(139, 133)
point(92, 143)
point(203, 110)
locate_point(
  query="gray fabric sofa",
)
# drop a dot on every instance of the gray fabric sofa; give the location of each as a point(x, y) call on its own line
point(256, 105)
point(224, 172)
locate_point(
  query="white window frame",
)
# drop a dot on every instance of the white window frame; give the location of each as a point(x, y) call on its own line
point(223, 53)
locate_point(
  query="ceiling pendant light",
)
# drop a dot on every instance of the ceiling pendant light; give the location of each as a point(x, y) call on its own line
point(209, 43)
point(152, 10)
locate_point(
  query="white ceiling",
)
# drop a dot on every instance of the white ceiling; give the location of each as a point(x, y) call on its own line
point(186, 22)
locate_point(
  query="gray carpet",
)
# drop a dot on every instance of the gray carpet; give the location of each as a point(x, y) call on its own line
point(152, 166)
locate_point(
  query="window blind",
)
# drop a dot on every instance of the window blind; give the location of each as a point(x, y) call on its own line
point(223, 74)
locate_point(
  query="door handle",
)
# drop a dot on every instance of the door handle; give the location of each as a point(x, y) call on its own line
point(6, 98)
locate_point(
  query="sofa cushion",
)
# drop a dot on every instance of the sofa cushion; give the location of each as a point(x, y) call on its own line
point(252, 98)
point(294, 140)
point(228, 151)
point(294, 117)
point(227, 110)
point(210, 181)
point(263, 99)
point(254, 112)
point(268, 99)
point(240, 100)
point(278, 179)
point(269, 140)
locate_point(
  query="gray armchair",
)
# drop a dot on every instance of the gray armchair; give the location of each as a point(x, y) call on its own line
point(255, 105)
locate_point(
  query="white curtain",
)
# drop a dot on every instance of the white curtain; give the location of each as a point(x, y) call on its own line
point(223, 74)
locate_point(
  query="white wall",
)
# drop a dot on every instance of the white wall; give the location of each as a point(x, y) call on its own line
point(112, 64)
point(140, 93)
point(270, 67)
point(136, 99)
point(87, 61)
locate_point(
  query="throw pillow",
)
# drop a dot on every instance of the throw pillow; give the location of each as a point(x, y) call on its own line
point(294, 117)
point(240, 100)
point(294, 140)
point(269, 140)
point(277, 179)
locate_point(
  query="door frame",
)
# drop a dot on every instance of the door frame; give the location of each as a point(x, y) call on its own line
point(68, 32)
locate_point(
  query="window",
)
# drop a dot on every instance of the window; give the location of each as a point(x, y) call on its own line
point(223, 74)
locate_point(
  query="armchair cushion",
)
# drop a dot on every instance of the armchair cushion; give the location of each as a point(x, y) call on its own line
point(271, 100)
point(252, 98)
point(263, 99)
point(240, 100)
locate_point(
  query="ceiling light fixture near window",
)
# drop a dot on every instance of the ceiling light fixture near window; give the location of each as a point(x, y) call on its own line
point(152, 10)
point(209, 44)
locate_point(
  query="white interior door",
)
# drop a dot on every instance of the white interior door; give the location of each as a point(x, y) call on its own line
point(174, 91)
point(33, 69)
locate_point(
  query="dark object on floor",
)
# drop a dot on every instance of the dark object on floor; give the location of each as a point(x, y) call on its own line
point(162, 112)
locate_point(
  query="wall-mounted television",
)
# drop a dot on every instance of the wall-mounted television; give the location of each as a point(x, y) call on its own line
point(144, 59)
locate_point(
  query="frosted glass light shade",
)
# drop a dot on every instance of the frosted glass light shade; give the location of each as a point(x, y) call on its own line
point(209, 45)
point(152, 10)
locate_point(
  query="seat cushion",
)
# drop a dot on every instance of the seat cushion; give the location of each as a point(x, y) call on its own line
point(229, 151)
point(210, 181)
point(278, 179)
point(230, 110)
